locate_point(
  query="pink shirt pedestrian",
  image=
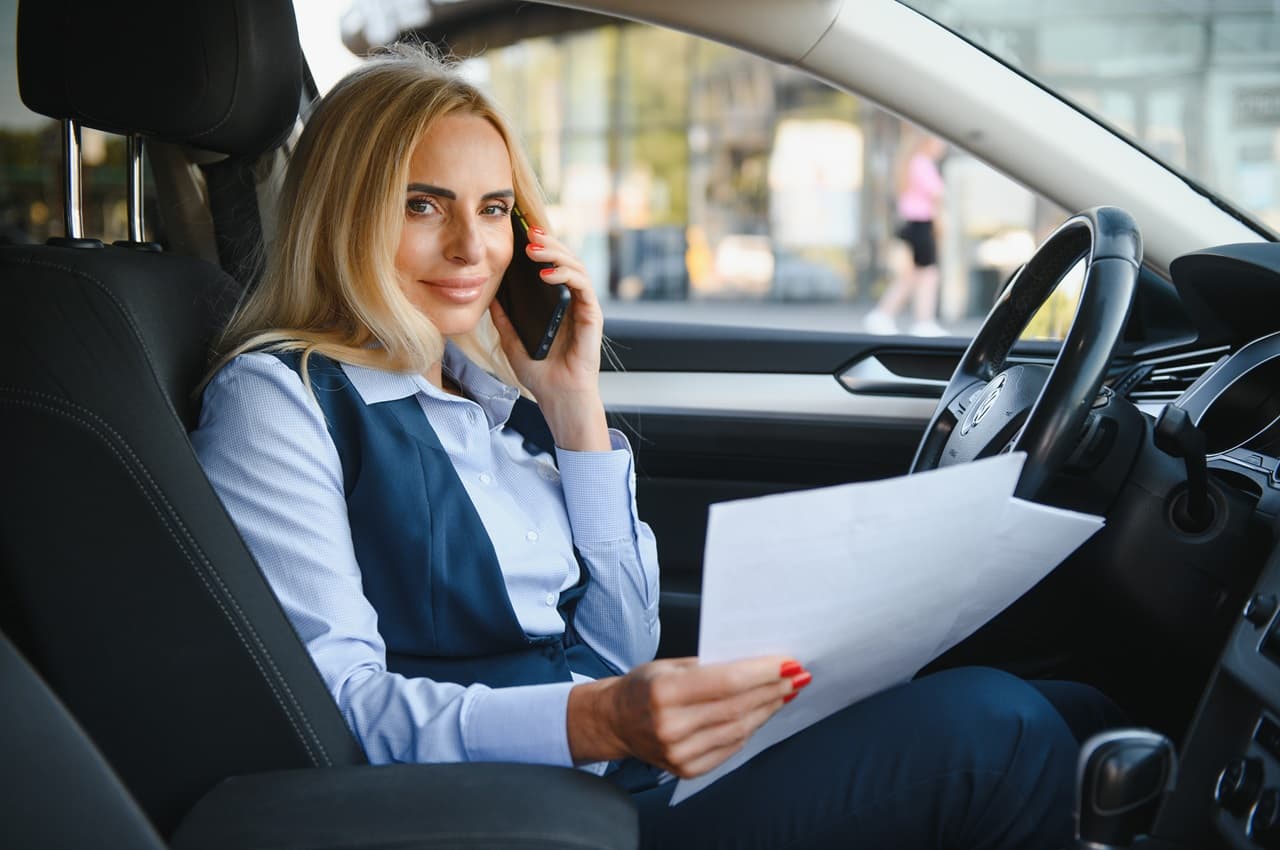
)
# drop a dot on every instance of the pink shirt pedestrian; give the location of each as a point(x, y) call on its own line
point(919, 198)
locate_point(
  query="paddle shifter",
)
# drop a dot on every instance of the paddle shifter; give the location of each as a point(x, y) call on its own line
point(1122, 776)
point(1176, 435)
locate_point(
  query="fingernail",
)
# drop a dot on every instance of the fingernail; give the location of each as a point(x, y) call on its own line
point(798, 682)
point(545, 272)
point(534, 246)
point(789, 697)
point(537, 231)
point(790, 668)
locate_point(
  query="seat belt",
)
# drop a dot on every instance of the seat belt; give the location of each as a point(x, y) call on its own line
point(237, 225)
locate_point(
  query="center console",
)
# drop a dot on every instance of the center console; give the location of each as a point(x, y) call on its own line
point(1228, 794)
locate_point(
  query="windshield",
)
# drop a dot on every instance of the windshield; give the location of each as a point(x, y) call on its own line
point(1196, 83)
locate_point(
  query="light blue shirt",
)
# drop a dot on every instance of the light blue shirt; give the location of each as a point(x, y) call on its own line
point(265, 447)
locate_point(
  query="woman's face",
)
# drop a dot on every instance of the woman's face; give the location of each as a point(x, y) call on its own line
point(456, 239)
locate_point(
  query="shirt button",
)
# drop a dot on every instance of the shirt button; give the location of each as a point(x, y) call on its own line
point(486, 478)
point(471, 416)
point(531, 536)
point(550, 600)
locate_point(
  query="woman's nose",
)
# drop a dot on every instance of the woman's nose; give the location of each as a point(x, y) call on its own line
point(463, 243)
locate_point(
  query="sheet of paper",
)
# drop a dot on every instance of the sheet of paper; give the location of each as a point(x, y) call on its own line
point(866, 583)
point(1030, 541)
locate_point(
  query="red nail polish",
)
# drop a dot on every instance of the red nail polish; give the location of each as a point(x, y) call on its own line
point(789, 697)
point(545, 272)
point(534, 246)
point(800, 681)
point(790, 668)
point(537, 231)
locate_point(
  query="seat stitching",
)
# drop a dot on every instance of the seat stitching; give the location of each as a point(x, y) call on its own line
point(255, 642)
point(199, 573)
point(129, 319)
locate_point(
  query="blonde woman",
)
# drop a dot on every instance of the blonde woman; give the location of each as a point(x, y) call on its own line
point(467, 568)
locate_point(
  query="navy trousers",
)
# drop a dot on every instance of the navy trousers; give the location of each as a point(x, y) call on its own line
point(965, 759)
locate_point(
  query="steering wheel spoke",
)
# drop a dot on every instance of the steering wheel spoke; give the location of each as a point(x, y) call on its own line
point(968, 396)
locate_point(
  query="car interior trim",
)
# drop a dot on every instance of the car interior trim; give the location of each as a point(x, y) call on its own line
point(792, 28)
point(870, 376)
point(783, 396)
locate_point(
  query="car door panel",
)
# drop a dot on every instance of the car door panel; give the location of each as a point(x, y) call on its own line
point(717, 413)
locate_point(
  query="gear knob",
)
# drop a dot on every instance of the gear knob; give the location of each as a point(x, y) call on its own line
point(1121, 778)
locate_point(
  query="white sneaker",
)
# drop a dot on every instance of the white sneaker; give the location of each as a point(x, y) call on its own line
point(929, 328)
point(880, 323)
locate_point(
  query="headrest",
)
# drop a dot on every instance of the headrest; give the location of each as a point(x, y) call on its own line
point(221, 75)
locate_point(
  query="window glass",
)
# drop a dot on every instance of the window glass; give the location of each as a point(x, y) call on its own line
point(701, 183)
point(30, 194)
point(1196, 84)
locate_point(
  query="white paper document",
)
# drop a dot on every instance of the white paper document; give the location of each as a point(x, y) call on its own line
point(864, 584)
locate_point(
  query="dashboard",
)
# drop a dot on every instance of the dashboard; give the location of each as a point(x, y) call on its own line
point(1236, 405)
point(1230, 759)
point(1237, 402)
point(1234, 394)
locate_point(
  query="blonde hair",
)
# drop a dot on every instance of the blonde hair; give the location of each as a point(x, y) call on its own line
point(330, 285)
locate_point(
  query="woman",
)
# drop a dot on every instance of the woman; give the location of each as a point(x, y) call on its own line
point(920, 190)
point(468, 570)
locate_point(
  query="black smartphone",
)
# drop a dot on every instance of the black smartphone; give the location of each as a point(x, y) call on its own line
point(534, 307)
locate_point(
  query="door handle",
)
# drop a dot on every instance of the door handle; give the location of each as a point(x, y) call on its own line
point(870, 376)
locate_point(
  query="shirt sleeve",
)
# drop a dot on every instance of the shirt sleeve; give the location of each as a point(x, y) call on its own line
point(265, 447)
point(618, 614)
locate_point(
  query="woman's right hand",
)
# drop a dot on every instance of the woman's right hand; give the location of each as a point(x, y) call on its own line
point(677, 714)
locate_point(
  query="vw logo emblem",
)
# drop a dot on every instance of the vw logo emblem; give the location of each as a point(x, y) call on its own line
point(983, 407)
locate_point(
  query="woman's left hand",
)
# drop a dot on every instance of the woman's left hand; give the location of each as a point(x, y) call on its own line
point(566, 383)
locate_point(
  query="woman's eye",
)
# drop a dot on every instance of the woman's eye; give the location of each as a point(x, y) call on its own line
point(496, 209)
point(420, 206)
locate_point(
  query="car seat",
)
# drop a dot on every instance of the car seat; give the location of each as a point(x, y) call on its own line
point(122, 580)
point(59, 793)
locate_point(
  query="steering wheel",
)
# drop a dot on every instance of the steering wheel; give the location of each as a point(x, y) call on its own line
point(989, 407)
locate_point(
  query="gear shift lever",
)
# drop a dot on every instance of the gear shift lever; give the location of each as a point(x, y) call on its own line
point(1122, 776)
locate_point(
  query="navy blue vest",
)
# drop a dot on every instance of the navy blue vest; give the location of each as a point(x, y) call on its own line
point(426, 561)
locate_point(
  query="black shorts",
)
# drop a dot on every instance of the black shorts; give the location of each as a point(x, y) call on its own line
point(919, 235)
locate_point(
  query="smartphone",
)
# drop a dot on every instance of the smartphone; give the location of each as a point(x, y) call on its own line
point(534, 307)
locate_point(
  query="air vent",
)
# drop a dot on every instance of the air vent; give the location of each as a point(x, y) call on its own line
point(1164, 379)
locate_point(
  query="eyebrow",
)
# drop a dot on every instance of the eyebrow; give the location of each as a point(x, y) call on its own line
point(439, 191)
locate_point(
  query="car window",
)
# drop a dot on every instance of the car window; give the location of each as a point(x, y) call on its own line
point(1196, 84)
point(698, 182)
point(702, 183)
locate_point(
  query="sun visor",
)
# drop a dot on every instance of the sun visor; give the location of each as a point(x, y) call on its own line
point(223, 76)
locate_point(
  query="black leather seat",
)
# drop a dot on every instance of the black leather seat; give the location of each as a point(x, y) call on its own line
point(122, 579)
point(59, 793)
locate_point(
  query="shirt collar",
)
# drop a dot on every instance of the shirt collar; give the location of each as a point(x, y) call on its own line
point(493, 396)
